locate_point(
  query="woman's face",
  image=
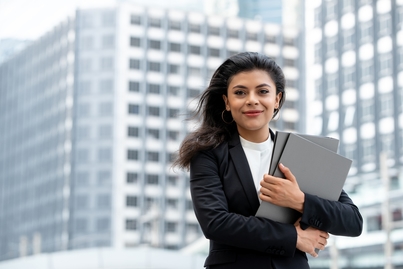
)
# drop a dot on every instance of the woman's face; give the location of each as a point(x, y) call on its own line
point(251, 99)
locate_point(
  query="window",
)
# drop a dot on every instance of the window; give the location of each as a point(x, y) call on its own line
point(81, 202)
point(366, 32)
point(213, 52)
point(367, 110)
point(152, 179)
point(154, 66)
point(106, 86)
point(85, 65)
point(132, 154)
point(153, 156)
point(103, 224)
point(172, 180)
point(318, 17)
point(154, 22)
point(386, 104)
point(193, 93)
point(194, 28)
point(135, 42)
point(131, 177)
point(171, 227)
point(131, 201)
point(105, 131)
point(171, 157)
point(83, 155)
point(175, 25)
point(385, 24)
point(153, 133)
point(131, 224)
point(289, 62)
point(82, 179)
point(349, 77)
point(153, 111)
point(108, 41)
point(108, 19)
point(83, 132)
point(104, 177)
point(134, 64)
point(252, 36)
point(175, 47)
point(232, 33)
point(133, 131)
point(348, 39)
point(366, 70)
point(173, 135)
point(212, 30)
point(104, 155)
point(173, 112)
point(103, 201)
point(106, 64)
point(368, 151)
point(154, 44)
point(332, 84)
point(172, 203)
point(135, 19)
point(194, 49)
point(388, 145)
point(331, 10)
point(374, 223)
point(84, 87)
point(348, 6)
point(154, 88)
point(174, 90)
point(194, 71)
point(87, 43)
point(134, 109)
point(173, 69)
point(105, 109)
point(331, 46)
point(134, 86)
point(385, 64)
point(289, 41)
point(270, 39)
point(80, 225)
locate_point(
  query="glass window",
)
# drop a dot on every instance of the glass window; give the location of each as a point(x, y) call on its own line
point(213, 52)
point(385, 64)
point(252, 36)
point(105, 109)
point(152, 179)
point(108, 19)
point(175, 25)
point(385, 24)
point(133, 131)
point(173, 112)
point(194, 71)
point(270, 38)
point(374, 223)
point(155, 22)
point(331, 10)
point(348, 5)
point(103, 201)
point(232, 33)
point(154, 44)
point(172, 203)
point(131, 224)
point(153, 111)
point(134, 64)
point(132, 154)
point(171, 227)
point(193, 92)
point(348, 39)
point(135, 19)
point(87, 43)
point(131, 177)
point(366, 71)
point(194, 28)
point(104, 155)
point(135, 41)
point(134, 86)
point(154, 66)
point(349, 77)
point(106, 63)
point(212, 30)
point(318, 17)
point(103, 224)
point(386, 104)
point(80, 225)
point(366, 32)
point(83, 155)
point(153, 133)
point(154, 88)
point(153, 156)
point(104, 177)
point(105, 131)
point(172, 180)
point(84, 87)
point(108, 41)
point(106, 85)
point(83, 132)
point(131, 201)
point(194, 49)
point(173, 69)
point(174, 90)
point(175, 47)
point(367, 110)
point(331, 46)
point(368, 151)
point(134, 109)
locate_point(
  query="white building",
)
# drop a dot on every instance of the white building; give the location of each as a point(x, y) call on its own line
point(92, 115)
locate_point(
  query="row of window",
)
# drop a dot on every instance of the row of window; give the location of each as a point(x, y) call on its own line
point(151, 156)
point(153, 111)
point(133, 177)
point(149, 202)
point(136, 86)
point(103, 132)
point(170, 227)
point(199, 29)
point(133, 131)
point(82, 225)
point(82, 202)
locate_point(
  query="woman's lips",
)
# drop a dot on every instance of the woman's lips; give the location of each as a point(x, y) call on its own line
point(253, 112)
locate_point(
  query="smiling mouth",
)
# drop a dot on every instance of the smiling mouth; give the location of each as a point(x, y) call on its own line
point(253, 113)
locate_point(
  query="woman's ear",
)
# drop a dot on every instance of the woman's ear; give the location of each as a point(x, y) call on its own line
point(278, 99)
point(226, 102)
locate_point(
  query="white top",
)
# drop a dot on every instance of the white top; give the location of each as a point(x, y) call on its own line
point(258, 155)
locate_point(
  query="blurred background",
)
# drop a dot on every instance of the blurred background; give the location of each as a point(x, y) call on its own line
point(94, 97)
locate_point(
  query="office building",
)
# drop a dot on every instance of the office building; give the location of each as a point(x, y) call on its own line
point(357, 76)
point(92, 115)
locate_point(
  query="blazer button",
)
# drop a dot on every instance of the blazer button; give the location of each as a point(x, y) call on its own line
point(282, 252)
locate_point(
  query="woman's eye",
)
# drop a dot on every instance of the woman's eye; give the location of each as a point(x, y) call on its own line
point(239, 93)
point(264, 91)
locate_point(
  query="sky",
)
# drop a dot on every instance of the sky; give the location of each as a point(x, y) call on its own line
point(30, 19)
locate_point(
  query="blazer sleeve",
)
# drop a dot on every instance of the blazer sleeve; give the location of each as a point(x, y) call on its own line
point(225, 227)
point(340, 217)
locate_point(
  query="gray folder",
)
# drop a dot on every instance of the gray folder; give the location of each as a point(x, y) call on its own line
point(318, 170)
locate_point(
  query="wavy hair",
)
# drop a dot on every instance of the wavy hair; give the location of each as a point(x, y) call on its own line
point(213, 130)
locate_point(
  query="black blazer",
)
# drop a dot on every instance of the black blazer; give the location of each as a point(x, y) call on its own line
point(225, 202)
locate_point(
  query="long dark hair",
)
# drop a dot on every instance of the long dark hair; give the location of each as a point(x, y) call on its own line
point(213, 130)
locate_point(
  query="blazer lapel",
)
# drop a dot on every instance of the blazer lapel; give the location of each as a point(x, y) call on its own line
point(242, 168)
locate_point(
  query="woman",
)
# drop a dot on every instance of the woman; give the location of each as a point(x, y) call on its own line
point(229, 156)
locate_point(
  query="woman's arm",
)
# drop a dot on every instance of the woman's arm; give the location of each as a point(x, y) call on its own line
point(221, 225)
point(340, 217)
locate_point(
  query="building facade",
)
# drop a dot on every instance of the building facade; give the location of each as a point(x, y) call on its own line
point(356, 73)
point(93, 114)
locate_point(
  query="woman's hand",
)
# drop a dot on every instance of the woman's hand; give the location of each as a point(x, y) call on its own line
point(282, 192)
point(310, 239)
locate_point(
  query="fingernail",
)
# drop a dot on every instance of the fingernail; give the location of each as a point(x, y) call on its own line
point(282, 165)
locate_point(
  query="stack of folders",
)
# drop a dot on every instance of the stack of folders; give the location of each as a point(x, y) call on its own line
point(314, 162)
